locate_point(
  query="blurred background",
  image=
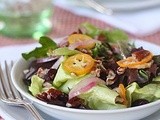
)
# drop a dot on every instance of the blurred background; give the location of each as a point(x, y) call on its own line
point(24, 21)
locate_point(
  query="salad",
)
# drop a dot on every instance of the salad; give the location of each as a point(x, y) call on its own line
point(93, 68)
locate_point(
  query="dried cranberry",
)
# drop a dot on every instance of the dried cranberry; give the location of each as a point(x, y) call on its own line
point(53, 96)
point(42, 96)
point(76, 102)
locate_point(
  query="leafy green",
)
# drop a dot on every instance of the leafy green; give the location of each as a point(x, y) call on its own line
point(116, 35)
point(105, 51)
point(130, 89)
point(65, 81)
point(102, 105)
point(36, 85)
point(113, 36)
point(61, 77)
point(63, 51)
point(109, 37)
point(156, 79)
point(143, 74)
point(70, 83)
point(125, 49)
point(47, 44)
point(156, 59)
point(150, 92)
point(91, 30)
point(101, 50)
point(101, 97)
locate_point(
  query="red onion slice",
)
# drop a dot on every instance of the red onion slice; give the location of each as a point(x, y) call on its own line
point(81, 43)
point(84, 86)
point(47, 59)
point(57, 63)
point(62, 41)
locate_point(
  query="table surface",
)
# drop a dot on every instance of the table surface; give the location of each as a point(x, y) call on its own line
point(64, 23)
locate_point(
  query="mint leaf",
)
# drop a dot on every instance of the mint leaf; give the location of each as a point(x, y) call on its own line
point(47, 44)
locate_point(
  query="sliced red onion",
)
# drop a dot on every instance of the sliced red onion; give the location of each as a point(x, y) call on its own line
point(75, 45)
point(84, 86)
point(62, 41)
point(57, 63)
point(47, 59)
point(81, 43)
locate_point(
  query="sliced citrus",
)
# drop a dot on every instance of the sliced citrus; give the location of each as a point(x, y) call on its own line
point(79, 64)
point(84, 40)
point(133, 62)
point(122, 93)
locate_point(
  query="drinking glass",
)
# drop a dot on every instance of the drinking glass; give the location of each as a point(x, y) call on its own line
point(25, 18)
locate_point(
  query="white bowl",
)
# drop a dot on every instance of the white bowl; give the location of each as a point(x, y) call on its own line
point(64, 113)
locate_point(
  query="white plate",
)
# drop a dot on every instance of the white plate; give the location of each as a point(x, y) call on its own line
point(17, 113)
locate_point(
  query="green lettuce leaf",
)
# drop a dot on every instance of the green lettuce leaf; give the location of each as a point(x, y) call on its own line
point(156, 79)
point(61, 77)
point(65, 81)
point(90, 29)
point(70, 83)
point(130, 89)
point(113, 36)
point(47, 44)
point(150, 92)
point(101, 97)
point(116, 35)
point(36, 85)
point(62, 51)
point(156, 59)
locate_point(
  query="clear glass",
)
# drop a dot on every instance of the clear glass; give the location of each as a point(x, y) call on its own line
point(25, 18)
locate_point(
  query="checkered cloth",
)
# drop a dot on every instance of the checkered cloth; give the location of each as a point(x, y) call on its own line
point(64, 23)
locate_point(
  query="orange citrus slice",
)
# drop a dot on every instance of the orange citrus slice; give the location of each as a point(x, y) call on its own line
point(79, 64)
point(122, 93)
point(86, 41)
point(133, 62)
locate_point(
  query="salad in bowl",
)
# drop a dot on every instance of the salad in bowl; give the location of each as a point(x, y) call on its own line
point(92, 69)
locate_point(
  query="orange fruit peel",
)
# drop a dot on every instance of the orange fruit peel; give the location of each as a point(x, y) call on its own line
point(122, 93)
point(132, 62)
point(79, 64)
point(86, 41)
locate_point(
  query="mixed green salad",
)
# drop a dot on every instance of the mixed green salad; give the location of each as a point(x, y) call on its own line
point(93, 68)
